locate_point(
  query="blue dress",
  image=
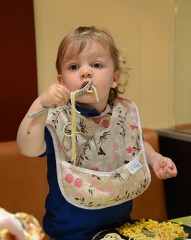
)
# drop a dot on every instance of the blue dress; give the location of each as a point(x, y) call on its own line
point(64, 221)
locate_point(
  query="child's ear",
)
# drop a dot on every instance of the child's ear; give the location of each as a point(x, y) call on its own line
point(116, 77)
point(59, 77)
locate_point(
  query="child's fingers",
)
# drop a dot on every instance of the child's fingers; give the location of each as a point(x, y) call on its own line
point(170, 172)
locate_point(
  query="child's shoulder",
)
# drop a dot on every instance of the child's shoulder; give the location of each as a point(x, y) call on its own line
point(124, 101)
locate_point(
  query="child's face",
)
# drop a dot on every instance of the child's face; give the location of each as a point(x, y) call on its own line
point(94, 62)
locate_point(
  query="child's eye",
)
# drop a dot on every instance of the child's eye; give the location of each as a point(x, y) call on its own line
point(73, 67)
point(97, 65)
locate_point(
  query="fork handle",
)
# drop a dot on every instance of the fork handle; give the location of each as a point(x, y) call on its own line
point(35, 114)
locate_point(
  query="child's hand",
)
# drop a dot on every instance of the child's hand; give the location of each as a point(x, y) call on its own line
point(55, 94)
point(164, 168)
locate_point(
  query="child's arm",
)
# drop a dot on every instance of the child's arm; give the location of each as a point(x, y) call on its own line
point(30, 136)
point(163, 167)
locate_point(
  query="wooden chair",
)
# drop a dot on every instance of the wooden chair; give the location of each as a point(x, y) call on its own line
point(151, 204)
point(23, 185)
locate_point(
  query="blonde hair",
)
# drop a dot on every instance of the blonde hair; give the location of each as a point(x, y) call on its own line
point(79, 37)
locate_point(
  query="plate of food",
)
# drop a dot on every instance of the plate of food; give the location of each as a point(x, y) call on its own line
point(146, 229)
point(109, 234)
point(21, 225)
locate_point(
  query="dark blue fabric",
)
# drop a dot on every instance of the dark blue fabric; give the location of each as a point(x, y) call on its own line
point(63, 221)
point(88, 112)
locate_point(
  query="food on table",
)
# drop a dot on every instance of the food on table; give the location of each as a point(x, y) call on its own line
point(163, 230)
point(112, 236)
point(19, 226)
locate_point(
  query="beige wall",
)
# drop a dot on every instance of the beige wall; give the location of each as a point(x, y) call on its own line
point(182, 69)
point(144, 28)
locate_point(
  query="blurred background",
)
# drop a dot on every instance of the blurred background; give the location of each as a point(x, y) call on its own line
point(154, 35)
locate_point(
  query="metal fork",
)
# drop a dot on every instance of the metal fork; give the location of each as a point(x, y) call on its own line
point(78, 93)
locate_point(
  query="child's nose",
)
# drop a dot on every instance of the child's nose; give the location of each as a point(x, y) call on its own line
point(86, 73)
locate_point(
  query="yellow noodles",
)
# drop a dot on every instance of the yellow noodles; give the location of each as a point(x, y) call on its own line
point(168, 229)
point(73, 124)
point(112, 236)
point(95, 91)
point(73, 133)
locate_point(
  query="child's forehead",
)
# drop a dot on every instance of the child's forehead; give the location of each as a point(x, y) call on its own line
point(76, 47)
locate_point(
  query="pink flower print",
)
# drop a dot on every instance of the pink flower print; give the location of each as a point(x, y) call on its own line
point(80, 195)
point(105, 123)
point(138, 149)
point(94, 179)
point(69, 178)
point(95, 169)
point(136, 118)
point(117, 156)
point(78, 182)
point(105, 192)
point(120, 99)
point(129, 149)
point(66, 148)
point(128, 100)
point(97, 120)
point(115, 145)
point(134, 127)
point(99, 193)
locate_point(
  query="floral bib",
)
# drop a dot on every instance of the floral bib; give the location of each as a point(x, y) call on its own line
point(110, 166)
